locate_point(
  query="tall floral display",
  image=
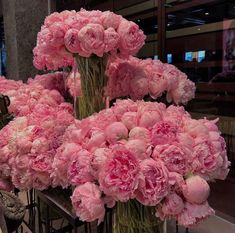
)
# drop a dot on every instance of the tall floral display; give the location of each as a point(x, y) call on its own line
point(147, 161)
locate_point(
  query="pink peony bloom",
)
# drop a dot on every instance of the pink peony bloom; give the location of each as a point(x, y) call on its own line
point(111, 40)
point(115, 132)
point(61, 163)
point(196, 190)
point(210, 159)
point(139, 148)
point(71, 40)
point(119, 176)
point(163, 132)
point(156, 81)
point(79, 169)
point(110, 20)
point(87, 202)
point(153, 184)
point(74, 84)
point(99, 158)
point(131, 37)
point(171, 206)
point(194, 214)
point(175, 157)
point(195, 128)
point(91, 39)
point(129, 119)
point(184, 92)
point(139, 85)
point(172, 75)
point(123, 106)
point(140, 133)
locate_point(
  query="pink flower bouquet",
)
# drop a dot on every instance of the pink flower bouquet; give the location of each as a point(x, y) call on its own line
point(145, 151)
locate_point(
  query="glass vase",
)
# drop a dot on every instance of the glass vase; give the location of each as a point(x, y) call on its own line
point(133, 217)
point(93, 81)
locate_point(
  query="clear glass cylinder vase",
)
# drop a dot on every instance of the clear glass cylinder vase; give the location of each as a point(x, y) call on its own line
point(133, 217)
point(93, 81)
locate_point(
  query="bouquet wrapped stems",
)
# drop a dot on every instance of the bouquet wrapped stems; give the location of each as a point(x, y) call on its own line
point(93, 81)
point(133, 217)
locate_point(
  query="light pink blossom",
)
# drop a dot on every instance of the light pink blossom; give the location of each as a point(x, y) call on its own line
point(87, 202)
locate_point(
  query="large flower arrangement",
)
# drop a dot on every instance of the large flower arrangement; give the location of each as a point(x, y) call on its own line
point(139, 156)
point(145, 151)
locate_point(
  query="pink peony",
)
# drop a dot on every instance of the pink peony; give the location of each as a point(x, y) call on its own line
point(131, 37)
point(163, 132)
point(194, 214)
point(184, 92)
point(196, 190)
point(74, 84)
point(111, 40)
point(171, 206)
point(71, 40)
point(119, 176)
point(123, 106)
point(153, 184)
point(61, 163)
point(115, 132)
point(110, 20)
point(99, 158)
point(139, 148)
point(79, 169)
point(140, 133)
point(91, 39)
point(139, 85)
point(87, 202)
point(175, 157)
point(129, 119)
point(210, 158)
point(195, 128)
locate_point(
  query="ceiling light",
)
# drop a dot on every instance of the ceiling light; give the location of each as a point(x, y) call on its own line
point(206, 13)
point(199, 29)
point(168, 24)
point(138, 20)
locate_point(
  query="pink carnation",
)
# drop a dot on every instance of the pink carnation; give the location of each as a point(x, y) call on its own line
point(119, 176)
point(153, 184)
point(87, 202)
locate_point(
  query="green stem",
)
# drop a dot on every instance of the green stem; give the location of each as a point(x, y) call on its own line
point(133, 217)
point(93, 81)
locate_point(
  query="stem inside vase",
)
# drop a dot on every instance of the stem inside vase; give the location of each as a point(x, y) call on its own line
point(93, 81)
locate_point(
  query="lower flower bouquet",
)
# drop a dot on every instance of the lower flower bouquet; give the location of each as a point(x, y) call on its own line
point(148, 161)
